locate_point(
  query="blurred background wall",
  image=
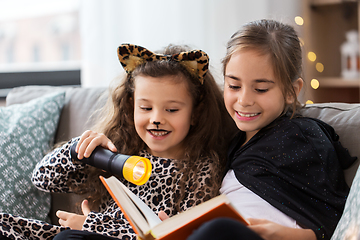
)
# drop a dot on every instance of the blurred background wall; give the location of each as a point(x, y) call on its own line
point(81, 36)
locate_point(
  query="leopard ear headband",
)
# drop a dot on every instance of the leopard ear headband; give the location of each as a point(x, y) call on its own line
point(195, 61)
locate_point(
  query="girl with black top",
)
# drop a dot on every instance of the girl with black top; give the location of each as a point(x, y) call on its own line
point(285, 171)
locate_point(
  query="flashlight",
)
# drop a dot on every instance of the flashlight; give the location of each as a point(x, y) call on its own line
point(135, 169)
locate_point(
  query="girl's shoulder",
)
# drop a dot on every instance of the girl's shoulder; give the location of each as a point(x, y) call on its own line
point(311, 126)
point(305, 128)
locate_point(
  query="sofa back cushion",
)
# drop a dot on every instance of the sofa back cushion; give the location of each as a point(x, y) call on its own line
point(78, 111)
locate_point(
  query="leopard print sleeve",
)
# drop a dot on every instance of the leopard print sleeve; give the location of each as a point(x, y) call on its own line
point(53, 171)
point(109, 222)
point(19, 228)
point(202, 187)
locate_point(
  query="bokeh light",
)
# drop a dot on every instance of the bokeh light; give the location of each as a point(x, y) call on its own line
point(314, 83)
point(319, 67)
point(299, 20)
point(312, 56)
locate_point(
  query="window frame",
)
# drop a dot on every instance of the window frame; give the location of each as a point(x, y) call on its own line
point(11, 79)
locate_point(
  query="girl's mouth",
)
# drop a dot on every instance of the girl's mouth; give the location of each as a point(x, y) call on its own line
point(246, 116)
point(158, 133)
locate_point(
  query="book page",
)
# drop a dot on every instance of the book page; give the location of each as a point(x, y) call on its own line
point(132, 205)
point(132, 214)
point(150, 216)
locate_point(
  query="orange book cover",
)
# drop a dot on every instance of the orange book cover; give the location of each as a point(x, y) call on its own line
point(147, 225)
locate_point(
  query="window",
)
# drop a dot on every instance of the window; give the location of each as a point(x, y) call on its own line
point(39, 43)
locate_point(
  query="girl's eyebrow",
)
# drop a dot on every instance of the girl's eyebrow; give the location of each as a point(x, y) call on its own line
point(170, 101)
point(262, 80)
point(142, 99)
point(177, 101)
point(232, 77)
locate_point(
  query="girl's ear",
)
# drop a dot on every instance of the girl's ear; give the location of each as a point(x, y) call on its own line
point(297, 84)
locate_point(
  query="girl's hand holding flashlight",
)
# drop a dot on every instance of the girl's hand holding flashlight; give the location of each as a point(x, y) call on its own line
point(97, 150)
point(89, 140)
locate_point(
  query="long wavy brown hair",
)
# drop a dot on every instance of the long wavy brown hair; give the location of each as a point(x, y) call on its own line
point(208, 137)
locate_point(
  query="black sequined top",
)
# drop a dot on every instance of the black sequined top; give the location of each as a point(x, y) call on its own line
point(297, 166)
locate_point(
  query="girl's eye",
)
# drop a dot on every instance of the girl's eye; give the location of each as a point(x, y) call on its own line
point(172, 110)
point(234, 87)
point(262, 90)
point(146, 108)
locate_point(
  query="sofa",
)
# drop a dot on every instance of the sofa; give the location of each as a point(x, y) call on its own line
point(79, 107)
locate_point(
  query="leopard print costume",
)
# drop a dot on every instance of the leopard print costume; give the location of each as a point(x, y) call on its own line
point(52, 173)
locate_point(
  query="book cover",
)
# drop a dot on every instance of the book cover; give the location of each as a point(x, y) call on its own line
point(147, 224)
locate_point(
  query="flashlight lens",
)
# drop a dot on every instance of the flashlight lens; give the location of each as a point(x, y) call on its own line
point(139, 170)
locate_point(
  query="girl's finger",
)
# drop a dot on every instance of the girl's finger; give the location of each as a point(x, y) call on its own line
point(84, 150)
point(111, 147)
point(83, 136)
point(99, 140)
point(85, 207)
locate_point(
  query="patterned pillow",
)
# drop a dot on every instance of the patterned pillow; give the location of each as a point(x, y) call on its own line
point(348, 227)
point(26, 133)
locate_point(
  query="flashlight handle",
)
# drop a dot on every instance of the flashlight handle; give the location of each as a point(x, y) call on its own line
point(104, 159)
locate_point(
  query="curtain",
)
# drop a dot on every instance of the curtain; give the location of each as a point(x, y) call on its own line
point(201, 24)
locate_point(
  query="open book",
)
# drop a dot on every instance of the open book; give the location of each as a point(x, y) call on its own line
point(147, 224)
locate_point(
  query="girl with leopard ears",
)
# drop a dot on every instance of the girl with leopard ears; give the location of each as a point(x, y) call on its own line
point(207, 136)
point(169, 109)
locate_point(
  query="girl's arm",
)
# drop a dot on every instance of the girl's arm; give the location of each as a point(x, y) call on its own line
point(53, 171)
point(113, 224)
point(272, 231)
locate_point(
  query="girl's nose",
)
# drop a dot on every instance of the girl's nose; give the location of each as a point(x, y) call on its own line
point(157, 119)
point(245, 98)
point(156, 124)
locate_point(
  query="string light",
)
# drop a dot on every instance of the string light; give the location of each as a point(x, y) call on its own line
point(312, 56)
point(299, 20)
point(319, 67)
point(314, 83)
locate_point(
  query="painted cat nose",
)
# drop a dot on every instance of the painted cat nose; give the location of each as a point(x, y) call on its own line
point(157, 124)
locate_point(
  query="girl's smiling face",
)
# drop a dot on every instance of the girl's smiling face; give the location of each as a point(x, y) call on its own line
point(167, 102)
point(252, 94)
